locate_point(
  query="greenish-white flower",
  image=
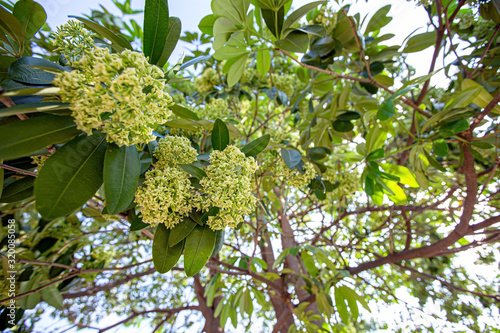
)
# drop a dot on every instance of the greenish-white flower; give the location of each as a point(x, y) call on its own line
point(173, 150)
point(122, 94)
point(228, 186)
point(72, 40)
point(165, 197)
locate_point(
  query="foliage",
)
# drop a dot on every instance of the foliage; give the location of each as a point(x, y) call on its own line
point(291, 175)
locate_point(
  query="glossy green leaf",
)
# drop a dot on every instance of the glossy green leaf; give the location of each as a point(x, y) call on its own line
point(48, 107)
point(137, 224)
point(31, 15)
point(342, 126)
point(420, 42)
point(300, 12)
point(291, 157)
point(71, 176)
point(314, 30)
point(156, 24)
point(164, 256)
point(122, 167)
point(207, 25)
point(52, 296)
point(379, 19)
point(434, 162)
point(440, 147)
point(21, 138)
point(219, 242)
point(463, 98)
point(11, 26)
point(18, 190)
point(29, 302)
point(220, 135)
point(484, 97)
point(386, 110)
point(274, 20)
point(376, 155)
point(256, 146)
point(199, 246)
point(341, 306)
point(118, 43)
point(183, 112)
point(263, 61)
point(235, 68)
point(28, 70)
point(406, 176)
point(193, 170)
point(309, 263)
point(295, 41)
point(181, 230)
point(173, 35)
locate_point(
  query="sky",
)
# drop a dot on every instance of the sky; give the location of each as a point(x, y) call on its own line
point(192, 11)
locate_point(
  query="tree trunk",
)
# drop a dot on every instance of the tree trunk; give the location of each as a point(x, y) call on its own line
point(212, 323)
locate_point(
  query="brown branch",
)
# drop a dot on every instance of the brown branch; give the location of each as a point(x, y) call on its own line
point(11, 168)
point(485, 112)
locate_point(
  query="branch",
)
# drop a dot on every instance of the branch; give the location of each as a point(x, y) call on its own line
point(24, 172)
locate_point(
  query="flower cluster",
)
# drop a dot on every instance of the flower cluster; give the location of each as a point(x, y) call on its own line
point(207, 81)
point(122, 94)
point(173, 150)
point(349, 182)
point(39, 161)
point(285, 83)
point(326, 17)
point(228, 186)
point(165, 197)
point(72, 40)
point(217, 108)
point(294, 177)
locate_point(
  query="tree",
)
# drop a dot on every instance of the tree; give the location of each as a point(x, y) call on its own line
point(297, 172)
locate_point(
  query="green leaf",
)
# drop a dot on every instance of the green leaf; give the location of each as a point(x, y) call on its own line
point(341, 306)
point(386, 110)
point(2, 174)
point(309, 263)
point(52, 296)
point(11, 26)
point(193, 170)
point(220, 135)
point(406, 176)
point(207, 25)
point(397, 196)
point(183, 112)
point(291, 157)
point(30, 301)
point(122, 167)
point(263, 61)
point(23, 70)
point(18, 190)
point(181, 230)
point(463, 98)
point(484, 97)
point(376, 154)
point(156, 24)
point(256, 146)
point(213, 211)
point(342, 126)
point(434, 162)
point(274, 20)
point(164, 256)
point(440, 147)
point(318, 153)
point(118, 43)
point(200, 244)
point(295, 41)
point(21, 138)
point(299, 13)
point(137, 224)
point(173, 35)
point(219, 242)
point(234, 68)
point(420, 42)
point(456, 126)
point(31, 15)
point(34, 107)
point(379, 19)
point(314, 30)
point(71, 176)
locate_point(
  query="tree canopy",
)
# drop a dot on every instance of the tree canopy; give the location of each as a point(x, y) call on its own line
point(291, 174)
